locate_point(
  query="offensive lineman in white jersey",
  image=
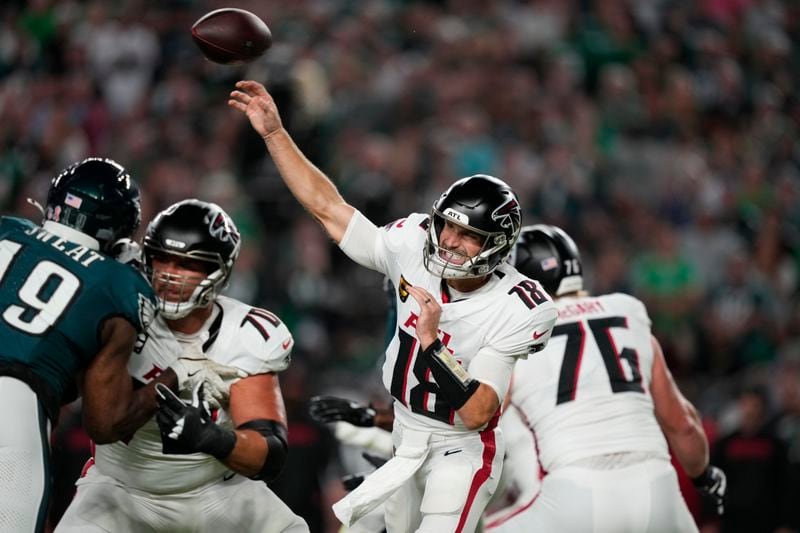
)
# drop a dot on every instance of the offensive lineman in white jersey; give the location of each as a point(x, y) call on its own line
point(600, 401)
point(469, 318)
point(208, 473)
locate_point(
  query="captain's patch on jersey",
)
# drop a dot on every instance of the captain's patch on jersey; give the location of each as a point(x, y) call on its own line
point(402, 289)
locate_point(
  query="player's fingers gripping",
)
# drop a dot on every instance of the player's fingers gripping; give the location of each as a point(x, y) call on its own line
point(167, 399)
point(317, 409)
point(199, 398)
point(225, 371)
point(426, 301)
point(215, 393)
point(329, 402)
point(166, 421)
point(430, 313)
point(170, 421)
point(419, 294)
point(177, 429)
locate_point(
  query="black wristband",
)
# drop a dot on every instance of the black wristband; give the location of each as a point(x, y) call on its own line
point(454, 383)
point(704, 479)
point(219, 442)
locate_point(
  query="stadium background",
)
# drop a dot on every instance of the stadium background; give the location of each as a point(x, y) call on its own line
point(662, 134)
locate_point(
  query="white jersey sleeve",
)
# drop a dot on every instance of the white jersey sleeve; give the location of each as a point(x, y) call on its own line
point(521, 330)
point(374, 247)
point(261, 343)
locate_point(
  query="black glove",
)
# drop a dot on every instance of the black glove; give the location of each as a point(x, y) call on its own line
point(713, 483)
point(374, 460)
point(127, 251)
point(352, 481)
point(188, 428)
point(326, 409)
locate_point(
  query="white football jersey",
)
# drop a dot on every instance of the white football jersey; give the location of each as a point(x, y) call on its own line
point(237, 335)
point(588, 392)
point(487, 330)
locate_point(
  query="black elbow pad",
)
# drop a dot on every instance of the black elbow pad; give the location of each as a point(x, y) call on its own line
point(276, 436)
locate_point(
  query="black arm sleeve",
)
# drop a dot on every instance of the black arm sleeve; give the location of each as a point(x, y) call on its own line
point(276, 436)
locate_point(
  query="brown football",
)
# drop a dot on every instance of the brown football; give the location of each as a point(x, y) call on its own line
point(231, 35)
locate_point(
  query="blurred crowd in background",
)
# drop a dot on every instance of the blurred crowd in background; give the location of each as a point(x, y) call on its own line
point(661, 134)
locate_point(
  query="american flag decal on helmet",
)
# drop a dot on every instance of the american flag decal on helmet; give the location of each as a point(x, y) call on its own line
point(73, 201)
point(549, 264)
point(508, 214)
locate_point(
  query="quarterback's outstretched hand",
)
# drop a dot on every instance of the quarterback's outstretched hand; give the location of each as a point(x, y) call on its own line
point(217, 378)
point(253, 100)
point(326, 409)
point(188, 428)
point(713, 483)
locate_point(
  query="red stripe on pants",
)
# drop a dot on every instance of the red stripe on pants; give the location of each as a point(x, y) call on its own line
point(489, 449)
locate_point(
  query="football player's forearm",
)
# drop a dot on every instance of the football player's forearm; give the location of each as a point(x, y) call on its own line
point(309, 185)
point(480, 408)
point(249, 453)
point(384, 418)
point(689, 443)
point(132, 415)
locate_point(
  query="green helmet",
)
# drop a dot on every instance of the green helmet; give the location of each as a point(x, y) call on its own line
point(97, 197)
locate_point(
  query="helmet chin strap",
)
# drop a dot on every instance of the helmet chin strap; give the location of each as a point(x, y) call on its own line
point(173, 310)
point(36, 204)
point(178, 310)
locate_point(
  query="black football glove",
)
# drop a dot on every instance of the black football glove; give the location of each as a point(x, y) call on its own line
point(374, 460)
point(188, 428)
point(127, 251)
point(712, 483)
point(352, 481)
point(326, 409)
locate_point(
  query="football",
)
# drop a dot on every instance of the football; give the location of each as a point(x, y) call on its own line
point(231, 35)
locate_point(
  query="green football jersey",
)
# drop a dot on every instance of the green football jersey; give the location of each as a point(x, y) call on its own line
point(54, 297)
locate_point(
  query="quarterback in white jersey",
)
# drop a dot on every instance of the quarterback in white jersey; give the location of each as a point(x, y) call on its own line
point(602, 406)
point(464, 317)
point(153, 483)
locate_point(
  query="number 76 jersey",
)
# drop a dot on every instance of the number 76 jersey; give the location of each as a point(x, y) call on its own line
point(588, 392)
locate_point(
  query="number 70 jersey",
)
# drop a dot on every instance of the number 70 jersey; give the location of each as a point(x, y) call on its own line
point(588, 392)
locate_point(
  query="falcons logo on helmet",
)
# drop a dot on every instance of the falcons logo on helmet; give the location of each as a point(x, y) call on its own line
point(508, 214)
point(219, 228)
